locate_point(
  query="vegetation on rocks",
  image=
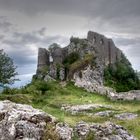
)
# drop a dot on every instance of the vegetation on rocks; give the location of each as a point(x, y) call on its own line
point(121, 76)
point(73, 62)
point(50, 97)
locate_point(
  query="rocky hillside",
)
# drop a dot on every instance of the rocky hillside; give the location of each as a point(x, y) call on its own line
point(96, 51)
point(93, 112)
point(92, 63)
point(78, 114)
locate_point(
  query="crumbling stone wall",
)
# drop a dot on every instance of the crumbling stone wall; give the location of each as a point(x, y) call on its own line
point(105, 48)
point(43, 58)
point(96, 44)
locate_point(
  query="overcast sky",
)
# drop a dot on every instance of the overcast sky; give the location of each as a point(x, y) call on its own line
point(26, 25)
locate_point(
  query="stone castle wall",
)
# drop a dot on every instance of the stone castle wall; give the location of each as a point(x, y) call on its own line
point(43, 58)
point(105, 48)
point(96, 44)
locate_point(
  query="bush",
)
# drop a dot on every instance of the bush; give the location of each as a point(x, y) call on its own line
point(75, 40)
point(10, 91)
point(80, 64)
point(71, 58)
point(121, 76)
point(41, 86)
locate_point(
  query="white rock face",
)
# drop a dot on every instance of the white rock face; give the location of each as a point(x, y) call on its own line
point(81, 108)
point(106, 113)
point(82, 129)
point(22, 122)
point(64, 131)
point(105, 131)
point(92, 81)
point(126, 116)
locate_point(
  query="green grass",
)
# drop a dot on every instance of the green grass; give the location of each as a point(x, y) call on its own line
point(55, 95)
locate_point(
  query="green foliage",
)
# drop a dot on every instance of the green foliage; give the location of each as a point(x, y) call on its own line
point(121, 76)
point(7, 69)
point(71, 58)
point(80, 64)
point(90, 136)
point(50, 133)
point(44, 70)
point(58, 95)
point(16, 97)
point(41, 86)
point(75, 40)
point(10, 91)
point(54, 46)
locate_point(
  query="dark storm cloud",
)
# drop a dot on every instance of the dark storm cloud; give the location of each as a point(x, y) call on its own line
point(5, 25)
point(110, 15)
point(106, 8)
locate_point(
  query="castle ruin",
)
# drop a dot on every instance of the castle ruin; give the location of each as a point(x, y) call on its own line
point(103, 49)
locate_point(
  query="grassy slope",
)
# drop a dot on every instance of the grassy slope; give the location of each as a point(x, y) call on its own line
point(56, 95)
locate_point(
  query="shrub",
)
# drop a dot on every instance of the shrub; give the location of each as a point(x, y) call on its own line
point(71, 58)
point(10, 91)
point(80, 64)
point(75, 40)
point(121, 76)
point(41, 86)
point(50, 133)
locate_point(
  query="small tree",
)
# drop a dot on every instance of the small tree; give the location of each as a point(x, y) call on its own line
point(7, 69)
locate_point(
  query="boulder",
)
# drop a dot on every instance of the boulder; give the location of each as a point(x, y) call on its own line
point(64, 131)
point(82, 129)
point(19, 121)
point(126, 116)
point(105, 131)
point(106, 113)
point(83, 108)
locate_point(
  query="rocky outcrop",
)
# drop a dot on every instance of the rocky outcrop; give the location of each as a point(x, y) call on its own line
point(124, 96)
point(126, 116)
point(105, 131)
point(110, 131)
point(19, 121)
point(64, 131)
point(106, 113)
point(23, 122)
point(83, 108)
point(82, 129)
point(94, 54)
point(94, 110)
point(87, 83)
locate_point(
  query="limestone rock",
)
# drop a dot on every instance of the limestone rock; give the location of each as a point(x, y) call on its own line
point(126, 116)
point(62, 74)
point(64, 131)
point(48, 78)
point(83, 108)
point(53, 71)
point(105, 131)
point(19, 121)
point(106, 113)
point(82, 129)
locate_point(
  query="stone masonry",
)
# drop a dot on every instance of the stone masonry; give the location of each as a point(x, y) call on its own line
point(102, 48)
